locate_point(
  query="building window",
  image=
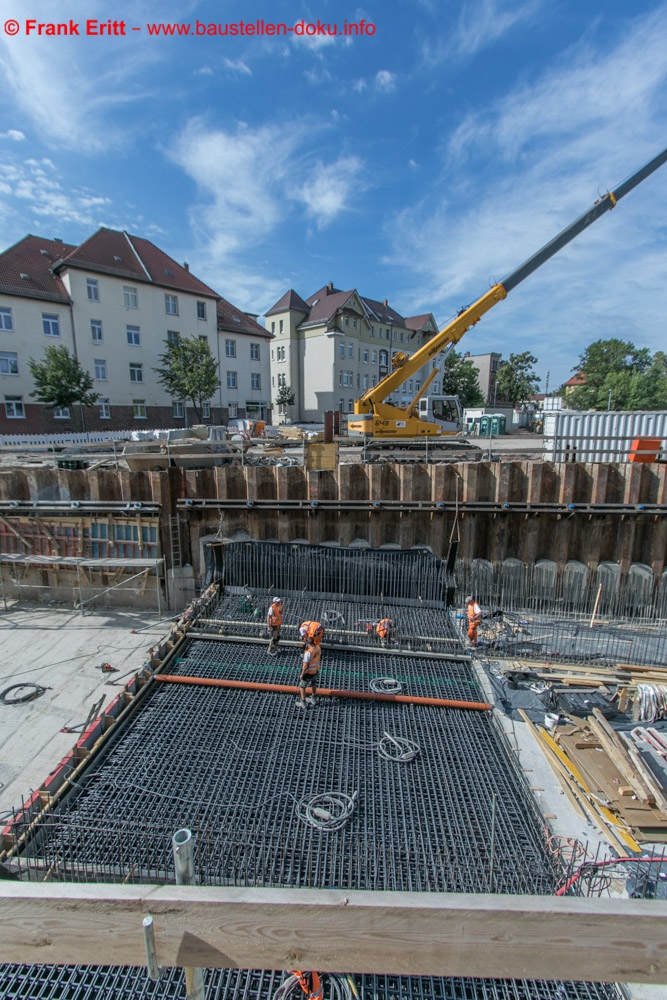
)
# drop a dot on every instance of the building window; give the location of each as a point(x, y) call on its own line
point(358, 380)
point(177, 409)
point(402, 336)
point(372, 331)
point(350, 405)
point(375, 380)
point(6, 319)
point(100, 370)
point(136, 373)
point(50, 325)
point(173, 337)
point(206, 411)
point(130, 297)
point(365, 357)
point(365, 381)
point(14, 408)
point(230, 348)
point(393, 334)
point(9, 363)
point(203, 337)
point(96, 330)
point(254, 352)
point(273, 326)
point(341, 405)
point(354, 323)
point(171, 305)
point(374, 357)
point(282, 326)
point(418, 385)
point(233, 410)
point(350, 350)
point(139, 409)
point(61, 412)
point(93, 289)
point(255, 381)
point(231, 380)
point(201, 310)
point(384, 358)
point(105, 409)
point(133, 336)
point(342, 351)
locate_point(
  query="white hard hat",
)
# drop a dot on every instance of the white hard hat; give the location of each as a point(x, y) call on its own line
point(277, 600)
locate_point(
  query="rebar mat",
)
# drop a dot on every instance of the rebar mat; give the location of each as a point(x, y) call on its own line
point(348, 671)
point(235, 765)
point(49, 982)
point(292, 568)
point(346, 622)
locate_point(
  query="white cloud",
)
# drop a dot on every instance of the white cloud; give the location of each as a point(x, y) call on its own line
point(238, 66)
point(315, 42)
point(37, 185)
point(204, 71)
point(13, 134)
point(385, 81)
point(413, 164)
point(359, 85)
point(480, 23)
point(67, 88)
point(328, 191)
point(525, 167)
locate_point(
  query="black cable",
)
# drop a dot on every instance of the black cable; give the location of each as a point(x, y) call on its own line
point(36, 692)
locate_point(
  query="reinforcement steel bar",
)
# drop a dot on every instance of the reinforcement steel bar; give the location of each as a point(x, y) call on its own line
point(401, 699)
point(462, 506)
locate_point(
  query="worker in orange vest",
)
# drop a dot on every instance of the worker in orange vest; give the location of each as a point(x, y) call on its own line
point(474, 613)
point(312, 630)
point(274, 621)
point(309, 669)
point(385, 630)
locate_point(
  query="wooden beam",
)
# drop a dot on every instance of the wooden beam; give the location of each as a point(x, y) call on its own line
point(439, 934)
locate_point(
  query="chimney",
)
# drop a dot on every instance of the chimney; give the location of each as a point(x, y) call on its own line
point(186, 265)
point(385, 303)
point(330, 288)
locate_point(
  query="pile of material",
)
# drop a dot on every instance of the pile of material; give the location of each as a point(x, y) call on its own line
point(617, 781)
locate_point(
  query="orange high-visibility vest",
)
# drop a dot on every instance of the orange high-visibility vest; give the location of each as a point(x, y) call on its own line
point(312, 664)
point(382, 628)
point(474, 617)
point(314, 631)
point(275, 615)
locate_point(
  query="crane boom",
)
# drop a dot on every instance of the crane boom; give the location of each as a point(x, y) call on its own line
point(382, 419)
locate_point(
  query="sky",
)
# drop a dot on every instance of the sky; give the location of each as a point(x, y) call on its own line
point(419, 160)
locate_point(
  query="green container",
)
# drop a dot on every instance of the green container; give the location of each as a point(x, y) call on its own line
point(498, 424)
point(484, 423)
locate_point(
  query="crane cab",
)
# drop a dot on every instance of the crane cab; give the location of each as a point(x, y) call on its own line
point(445, 411)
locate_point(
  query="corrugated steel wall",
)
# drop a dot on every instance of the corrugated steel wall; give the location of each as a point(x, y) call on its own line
point(599, 436)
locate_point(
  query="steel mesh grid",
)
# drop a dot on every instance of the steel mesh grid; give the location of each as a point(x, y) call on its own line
point(346, 622)
point(49, 982)
point(343, 670)
point(247, 758)
point(322, 570)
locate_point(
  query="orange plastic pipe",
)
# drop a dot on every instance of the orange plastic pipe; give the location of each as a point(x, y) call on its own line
point(405, 699)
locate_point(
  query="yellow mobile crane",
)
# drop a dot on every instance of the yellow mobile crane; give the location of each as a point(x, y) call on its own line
point(376, 418)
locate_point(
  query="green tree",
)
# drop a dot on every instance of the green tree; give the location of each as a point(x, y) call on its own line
point(460, 378)
point(189, 371)
point(516, 379)
point(620, 375)
point(60, 380)
point(286, 396)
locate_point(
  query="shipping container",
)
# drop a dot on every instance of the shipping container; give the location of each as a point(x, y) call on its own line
point(600, 436)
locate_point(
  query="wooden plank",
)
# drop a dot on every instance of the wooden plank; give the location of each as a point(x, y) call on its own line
point(561, 776)
point(616, 749)
point(439, 934)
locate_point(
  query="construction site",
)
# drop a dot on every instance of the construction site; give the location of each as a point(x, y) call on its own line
point(493, 781)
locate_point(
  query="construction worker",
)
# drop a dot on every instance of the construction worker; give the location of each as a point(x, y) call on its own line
point(309, 669)
point(274, 621)
point(474, 613)
point(385, 630)
point(312, 630)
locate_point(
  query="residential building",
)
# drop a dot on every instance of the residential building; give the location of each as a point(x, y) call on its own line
point(487, 366)
point(332, 347)
point(114, 302)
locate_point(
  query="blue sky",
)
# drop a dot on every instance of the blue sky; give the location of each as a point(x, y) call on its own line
point(420, 164)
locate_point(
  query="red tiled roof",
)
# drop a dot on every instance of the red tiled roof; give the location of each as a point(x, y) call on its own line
point(382, 313)
point(34, 256)
point(324, 290)
point(322, 310)
point(417, 322)
point(290, 300)
point(577, 379)
point(121, 255)
point(232, 319)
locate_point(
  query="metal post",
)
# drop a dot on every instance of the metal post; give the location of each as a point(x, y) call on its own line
point(185, 875)
point(492, 856)
point(154, 970)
